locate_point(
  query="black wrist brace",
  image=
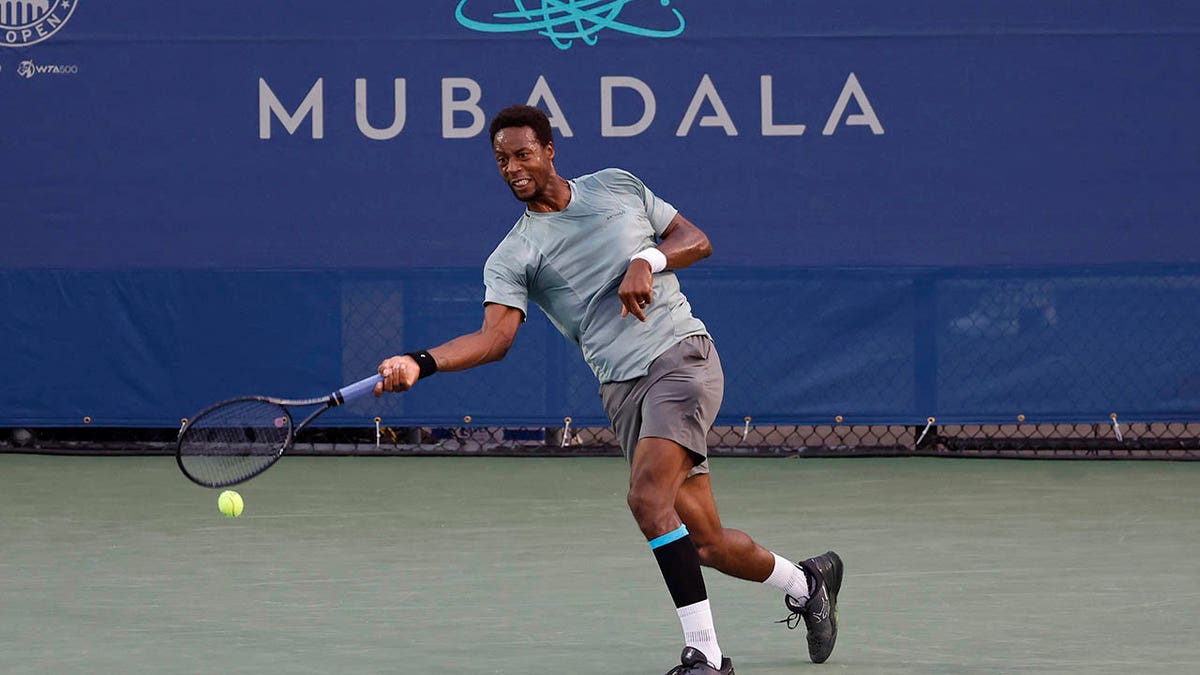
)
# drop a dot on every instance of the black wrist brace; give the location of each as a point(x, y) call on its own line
point(425, 360)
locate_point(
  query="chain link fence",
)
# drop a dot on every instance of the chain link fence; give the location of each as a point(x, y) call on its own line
point(1112, 440)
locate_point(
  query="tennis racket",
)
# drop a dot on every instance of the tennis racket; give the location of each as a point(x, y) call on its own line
point(235, 440)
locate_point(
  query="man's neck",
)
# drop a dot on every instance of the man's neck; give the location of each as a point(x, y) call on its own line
point(555, 197)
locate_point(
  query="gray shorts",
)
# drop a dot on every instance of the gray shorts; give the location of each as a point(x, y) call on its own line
point(677, 400)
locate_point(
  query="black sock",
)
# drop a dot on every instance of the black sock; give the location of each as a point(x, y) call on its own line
point(680, 564)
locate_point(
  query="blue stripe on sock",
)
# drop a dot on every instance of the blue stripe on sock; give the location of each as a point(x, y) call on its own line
point(674, 535)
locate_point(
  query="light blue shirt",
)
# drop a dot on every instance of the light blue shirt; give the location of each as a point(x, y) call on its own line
point(571, 263)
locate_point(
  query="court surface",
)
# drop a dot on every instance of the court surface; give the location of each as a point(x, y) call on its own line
point(532, 566)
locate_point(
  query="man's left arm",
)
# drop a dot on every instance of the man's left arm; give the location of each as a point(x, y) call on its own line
point(682, 244)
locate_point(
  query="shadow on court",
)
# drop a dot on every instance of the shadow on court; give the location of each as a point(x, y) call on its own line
point(531, 566)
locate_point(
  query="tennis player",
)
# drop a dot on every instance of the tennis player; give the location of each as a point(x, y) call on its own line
point(596, 254)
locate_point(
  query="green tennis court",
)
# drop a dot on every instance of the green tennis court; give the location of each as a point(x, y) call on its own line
point(504, 565)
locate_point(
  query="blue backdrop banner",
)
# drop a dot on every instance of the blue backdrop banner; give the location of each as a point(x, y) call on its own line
point(932, 207)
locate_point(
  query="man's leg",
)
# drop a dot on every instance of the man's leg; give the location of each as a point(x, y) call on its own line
point(733, 552)
point(658, 469)
point(729, 551)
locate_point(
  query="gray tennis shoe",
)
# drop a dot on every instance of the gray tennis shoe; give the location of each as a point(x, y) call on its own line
point(820, 611)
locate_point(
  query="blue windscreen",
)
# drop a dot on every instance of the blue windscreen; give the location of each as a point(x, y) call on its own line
point(969, 209)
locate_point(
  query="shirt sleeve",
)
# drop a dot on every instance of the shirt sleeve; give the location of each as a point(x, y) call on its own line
point(659, 211)
point(504, 275)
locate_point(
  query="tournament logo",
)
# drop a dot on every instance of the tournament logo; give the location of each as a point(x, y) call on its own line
point(27, 22)
point(28, 69)
point(565, 21)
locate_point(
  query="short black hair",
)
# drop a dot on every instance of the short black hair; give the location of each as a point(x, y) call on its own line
point(523, 116)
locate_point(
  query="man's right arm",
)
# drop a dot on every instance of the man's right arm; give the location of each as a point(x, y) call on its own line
point(490, 343)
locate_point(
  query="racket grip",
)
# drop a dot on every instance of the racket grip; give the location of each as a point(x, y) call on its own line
point(353, 391)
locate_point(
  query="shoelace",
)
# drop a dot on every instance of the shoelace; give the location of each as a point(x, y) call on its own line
point(793, 621)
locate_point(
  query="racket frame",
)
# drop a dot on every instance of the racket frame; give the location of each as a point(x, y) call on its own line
point(325, 402)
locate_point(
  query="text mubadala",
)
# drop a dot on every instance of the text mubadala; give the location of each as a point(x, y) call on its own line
point(460, 97)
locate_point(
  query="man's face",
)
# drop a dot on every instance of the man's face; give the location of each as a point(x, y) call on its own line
point(524, 163)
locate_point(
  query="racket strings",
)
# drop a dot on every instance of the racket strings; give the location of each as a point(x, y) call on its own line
point(233, 442)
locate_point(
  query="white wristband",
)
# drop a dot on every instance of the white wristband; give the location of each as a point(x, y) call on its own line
point(656, 258)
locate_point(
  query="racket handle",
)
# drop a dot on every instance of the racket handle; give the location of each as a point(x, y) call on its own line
point(353, 391)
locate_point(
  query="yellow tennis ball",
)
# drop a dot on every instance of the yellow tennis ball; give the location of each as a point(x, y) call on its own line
point(230, 503)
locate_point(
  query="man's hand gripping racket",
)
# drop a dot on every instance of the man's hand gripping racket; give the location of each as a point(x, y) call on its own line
point(235, 440)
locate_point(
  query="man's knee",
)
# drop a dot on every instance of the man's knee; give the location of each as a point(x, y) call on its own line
point(647, 503)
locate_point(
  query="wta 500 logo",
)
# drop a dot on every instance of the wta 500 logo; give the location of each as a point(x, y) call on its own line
point(28, 69)
point(27, 22)
point(564, 21)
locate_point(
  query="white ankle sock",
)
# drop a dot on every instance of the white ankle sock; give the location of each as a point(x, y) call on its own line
point(698, 630)
point(789, 578)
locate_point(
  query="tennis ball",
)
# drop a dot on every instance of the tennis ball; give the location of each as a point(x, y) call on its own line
point(230, 503)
